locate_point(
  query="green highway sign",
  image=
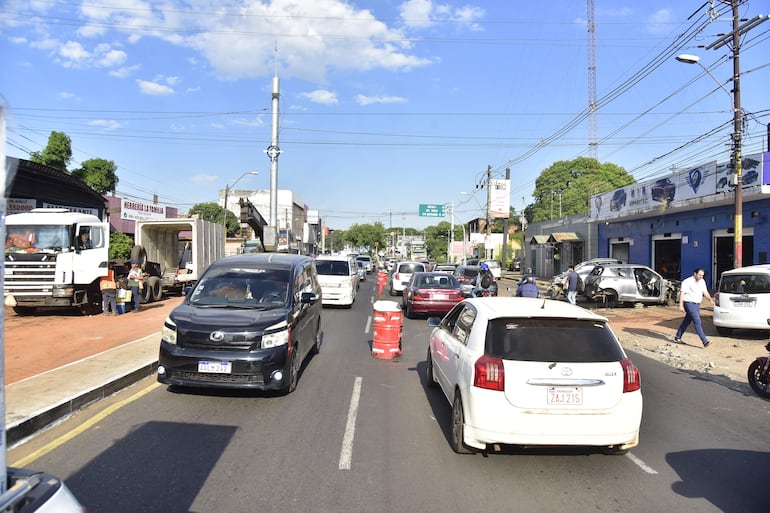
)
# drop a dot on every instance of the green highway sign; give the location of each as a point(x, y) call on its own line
point(427, 210)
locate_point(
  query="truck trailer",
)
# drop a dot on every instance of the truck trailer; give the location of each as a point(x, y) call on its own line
point(175, 252)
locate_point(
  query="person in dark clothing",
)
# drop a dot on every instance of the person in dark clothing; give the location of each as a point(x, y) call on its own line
point(528, 288)
point(571, 285)
point(484, 281)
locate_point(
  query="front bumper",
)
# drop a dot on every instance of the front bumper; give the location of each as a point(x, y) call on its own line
point(249, 369)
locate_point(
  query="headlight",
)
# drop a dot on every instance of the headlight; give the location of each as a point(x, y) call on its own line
point(279, 338)
point(169, 331)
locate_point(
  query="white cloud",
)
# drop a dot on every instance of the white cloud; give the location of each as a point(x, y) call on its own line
point(90, 31)
point(660, 21)
point(66, 95)
point(368, 100)
point(204, 179)
point(258, 121)
point(107, 124)
point(321, 96)
point(124, 71)
point(73, 55)
point(424, 13)
point(153, 88)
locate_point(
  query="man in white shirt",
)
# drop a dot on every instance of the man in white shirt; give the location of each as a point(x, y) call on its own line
point(692, 292)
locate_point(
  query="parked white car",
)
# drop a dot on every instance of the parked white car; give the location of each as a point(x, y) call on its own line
point(742, 300)
point(338, 277)
point(529, 371)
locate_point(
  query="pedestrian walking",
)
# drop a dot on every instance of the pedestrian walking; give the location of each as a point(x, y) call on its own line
point(692, 292)
point(135, 284)
point(571, 285)
point(109, 289)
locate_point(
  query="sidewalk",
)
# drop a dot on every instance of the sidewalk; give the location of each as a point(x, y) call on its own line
point(36, 402)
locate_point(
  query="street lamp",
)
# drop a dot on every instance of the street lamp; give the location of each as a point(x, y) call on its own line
point(737, 147)
point(224, 213)
point(486, 218)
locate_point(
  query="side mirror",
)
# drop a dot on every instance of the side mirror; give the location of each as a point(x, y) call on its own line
point(435, 322)
point(308, 298)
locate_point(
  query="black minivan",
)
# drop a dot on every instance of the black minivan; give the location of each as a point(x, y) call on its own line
point(249, 322)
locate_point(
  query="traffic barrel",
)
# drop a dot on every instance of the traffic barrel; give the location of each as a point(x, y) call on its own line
point(382, 279)
point(387, 329)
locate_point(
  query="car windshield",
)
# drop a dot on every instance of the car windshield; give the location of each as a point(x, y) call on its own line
point(551, 340)
point(410, 268)
point(332, 267)
point(242, 288)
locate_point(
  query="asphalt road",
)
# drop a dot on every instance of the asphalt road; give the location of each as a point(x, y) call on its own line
point(365, 435)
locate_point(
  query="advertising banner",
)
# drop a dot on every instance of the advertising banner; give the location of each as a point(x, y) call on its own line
point(500, 199)
point(138, 211)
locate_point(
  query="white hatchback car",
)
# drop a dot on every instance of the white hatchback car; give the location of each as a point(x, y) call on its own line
point(743, 299)
point(529, 371)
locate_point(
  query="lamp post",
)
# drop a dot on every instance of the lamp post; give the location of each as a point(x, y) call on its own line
point(733, 37)
point(224, 213)
point(737, 148)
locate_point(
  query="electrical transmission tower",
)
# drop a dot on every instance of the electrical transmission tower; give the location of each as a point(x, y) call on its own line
point(593, 144)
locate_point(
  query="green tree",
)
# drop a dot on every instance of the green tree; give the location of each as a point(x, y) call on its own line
point(366, 236)
point(57, 154)
point(120, 246)
point(212, 211)
point(98, 174)
point(568, 185)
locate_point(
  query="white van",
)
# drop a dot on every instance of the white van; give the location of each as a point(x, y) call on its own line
point(338, 277)
point(743, 299)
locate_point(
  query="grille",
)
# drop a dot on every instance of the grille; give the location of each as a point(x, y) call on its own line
point(219, 378)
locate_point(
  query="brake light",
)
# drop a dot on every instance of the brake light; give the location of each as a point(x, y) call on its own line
point(488, 373)
point(397, 276)
point(716, 299)
point(631, 379)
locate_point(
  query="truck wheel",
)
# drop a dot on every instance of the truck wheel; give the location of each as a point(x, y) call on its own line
point(156, 288)
point(139, 254)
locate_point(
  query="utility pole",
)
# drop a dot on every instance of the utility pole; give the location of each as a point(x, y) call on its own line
point(737, 137)
point(505, 224)
point(489, 203)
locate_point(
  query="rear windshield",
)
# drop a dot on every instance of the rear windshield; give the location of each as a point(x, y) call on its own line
point(551, 340)
point(332, 267)
point(411, 268)
point(744, 284)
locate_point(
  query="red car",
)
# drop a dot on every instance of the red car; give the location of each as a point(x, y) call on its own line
point(431, 293)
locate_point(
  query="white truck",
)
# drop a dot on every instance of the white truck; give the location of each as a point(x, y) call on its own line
point(54, 257)
point(175, 252)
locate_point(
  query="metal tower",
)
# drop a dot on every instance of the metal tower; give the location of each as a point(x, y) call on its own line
point(593, 144)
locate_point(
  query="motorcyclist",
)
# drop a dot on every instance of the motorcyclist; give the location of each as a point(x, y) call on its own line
point(528, 288)
point(484, 281)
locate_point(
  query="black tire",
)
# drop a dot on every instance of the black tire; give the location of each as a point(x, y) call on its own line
point(430, 377)
point(155, 287)
point(458, 426)
point(24, 310)
point(611, 299)
point(139, 254)
point(408, 311)
point(294, 365)
point(758, 382)
point(725, 332)
point(614, 451)
point(146, 293)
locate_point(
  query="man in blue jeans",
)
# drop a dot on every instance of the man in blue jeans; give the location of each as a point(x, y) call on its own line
point(692, 292)
point(135, 280)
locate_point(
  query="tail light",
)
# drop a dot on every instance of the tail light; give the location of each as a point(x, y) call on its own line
point(716, 299)
point(488, 373)
point(397, 277)
point(631, 380)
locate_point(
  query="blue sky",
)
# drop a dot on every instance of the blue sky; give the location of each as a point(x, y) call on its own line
point(384, 104)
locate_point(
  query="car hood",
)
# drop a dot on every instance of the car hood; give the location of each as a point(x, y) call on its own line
point(195, 318)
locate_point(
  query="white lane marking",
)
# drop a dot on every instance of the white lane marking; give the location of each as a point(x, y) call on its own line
point(642, 465)
point(368, 324)
point(346, 453)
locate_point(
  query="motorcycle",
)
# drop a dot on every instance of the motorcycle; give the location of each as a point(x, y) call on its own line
point(759, 373)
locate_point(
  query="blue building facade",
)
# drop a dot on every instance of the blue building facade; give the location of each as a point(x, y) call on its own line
point(678, 223)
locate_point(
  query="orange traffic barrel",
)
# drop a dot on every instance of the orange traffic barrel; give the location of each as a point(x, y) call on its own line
point(388, 320)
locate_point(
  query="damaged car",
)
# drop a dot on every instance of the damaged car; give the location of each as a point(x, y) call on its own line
point(583, 269)
point(616, 284)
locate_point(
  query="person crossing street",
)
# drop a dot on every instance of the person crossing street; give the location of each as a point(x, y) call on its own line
point(692, 292)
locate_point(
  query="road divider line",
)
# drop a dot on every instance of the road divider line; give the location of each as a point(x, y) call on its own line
point(82, 427)
point(642, 465)
point(346, 453)
point(368, 324)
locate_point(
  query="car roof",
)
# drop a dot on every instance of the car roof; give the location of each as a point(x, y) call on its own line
point(251, 259)
point(530, 307)
point(759, 268)
point(333, 257)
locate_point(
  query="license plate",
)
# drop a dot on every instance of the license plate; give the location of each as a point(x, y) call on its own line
point(565, 395)
point(215, 367)
point(744, 304)
point(440, 296)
